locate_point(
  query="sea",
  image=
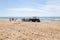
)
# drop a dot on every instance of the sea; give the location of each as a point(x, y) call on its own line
point(42, 19)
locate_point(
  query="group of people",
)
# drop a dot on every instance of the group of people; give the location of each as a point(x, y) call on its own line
point(12, 19)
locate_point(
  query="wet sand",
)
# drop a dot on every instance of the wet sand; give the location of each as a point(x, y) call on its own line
point(29, 30)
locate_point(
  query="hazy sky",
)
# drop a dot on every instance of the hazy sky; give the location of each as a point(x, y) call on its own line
point(20, 8)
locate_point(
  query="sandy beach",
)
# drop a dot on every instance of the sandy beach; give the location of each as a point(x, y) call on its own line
point(29, 30)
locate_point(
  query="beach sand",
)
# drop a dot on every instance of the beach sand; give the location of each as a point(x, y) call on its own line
point(29, 30)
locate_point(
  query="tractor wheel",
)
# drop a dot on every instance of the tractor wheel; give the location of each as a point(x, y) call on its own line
point(38, 20)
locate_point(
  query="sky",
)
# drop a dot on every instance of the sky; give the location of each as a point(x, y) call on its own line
point(23, 8)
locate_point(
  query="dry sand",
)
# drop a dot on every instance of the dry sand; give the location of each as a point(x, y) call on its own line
point(29, 30)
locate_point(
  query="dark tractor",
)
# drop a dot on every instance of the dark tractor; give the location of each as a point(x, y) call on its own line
point(34, 19)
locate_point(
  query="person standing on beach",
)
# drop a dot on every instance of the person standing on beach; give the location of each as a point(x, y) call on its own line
point(10, 19)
